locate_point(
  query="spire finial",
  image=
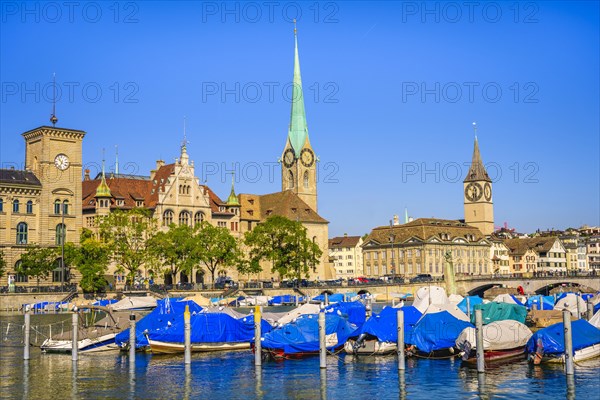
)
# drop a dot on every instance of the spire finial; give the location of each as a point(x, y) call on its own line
point(475, 129)
point(116, 159)
point(103, 163)
point(185, 142)
point(53, 118)
point(232, 199)
point(295, 27)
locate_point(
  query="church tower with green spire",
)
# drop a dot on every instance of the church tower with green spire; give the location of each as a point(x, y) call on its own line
point(479, 208)
point(298, 160)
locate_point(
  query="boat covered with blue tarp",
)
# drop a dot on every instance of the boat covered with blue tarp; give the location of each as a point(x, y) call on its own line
point(548, 344)
point(473, 301)
point(436, 332)
point(534, 302)
point(167, 312)
point(384, 326)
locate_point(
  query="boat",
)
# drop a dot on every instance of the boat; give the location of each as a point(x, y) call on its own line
point(94, 338)
point(140, 303)
point(502, 341)
point(548, 345)
point(210, 331)
point(379, 334)
point(499, 311)
point(299, 338)
point(435, 334)
point(167, 312)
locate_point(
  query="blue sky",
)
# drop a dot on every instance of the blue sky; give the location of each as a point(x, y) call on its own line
point(391, 92)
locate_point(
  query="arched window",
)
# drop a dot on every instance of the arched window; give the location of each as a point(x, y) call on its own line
point(184, 218)
point(1, 205)
point(19, 277)
point(167, 218)
point(198, 218)
point(61, 234)
point(306, 179)
point(65, 207)
point(57, 206)
point(30, 207)
point(16, 205)
point(290, 180)
point(21, 233)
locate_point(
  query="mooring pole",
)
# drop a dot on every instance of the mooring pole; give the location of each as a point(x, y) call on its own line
point(479, 340)
point(590, 310)
point(468, 307)
point(401, 362)
point(188, 336)
point(326, 299)
point(132, 337)
point(75, 336)
point(577, 298)
point(568, 342)
point(322, 337)
point(296, 300)
point(257, 336)
point(26, 338)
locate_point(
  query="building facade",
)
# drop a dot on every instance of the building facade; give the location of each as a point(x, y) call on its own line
point(593, 253)
point(522, 258)
point(420, 246)
point(345, 252)
point(499, 256)
point(41, 205)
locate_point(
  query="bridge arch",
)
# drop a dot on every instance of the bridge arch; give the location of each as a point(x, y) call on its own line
point(479, 290)
point(568, 287)
point(363, 291)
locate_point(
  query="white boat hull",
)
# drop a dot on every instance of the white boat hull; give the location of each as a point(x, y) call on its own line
point(159, 347)
point(100, 344)
point(371, 347)
point(586, 353)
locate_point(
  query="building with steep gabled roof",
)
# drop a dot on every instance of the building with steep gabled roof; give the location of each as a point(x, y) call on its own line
point(345, 254)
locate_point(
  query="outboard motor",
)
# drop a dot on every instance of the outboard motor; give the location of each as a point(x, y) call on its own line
point(466, 348)
point(359, 343)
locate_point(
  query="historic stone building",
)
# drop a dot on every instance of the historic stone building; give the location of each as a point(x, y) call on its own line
point(499, 255)
point(345, 252)
point(418, 247)
point(41, 205)
point(479, 207)
point(550, 254)
point(522, 258)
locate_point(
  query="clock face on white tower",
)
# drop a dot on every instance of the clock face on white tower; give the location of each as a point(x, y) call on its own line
point(61, 161)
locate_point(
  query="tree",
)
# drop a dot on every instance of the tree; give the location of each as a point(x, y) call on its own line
point(127, 233)
point(2, 264)
point(215, 247)
point(285, 243)
point(37, 262)
point(91, 259)
point(175, 249)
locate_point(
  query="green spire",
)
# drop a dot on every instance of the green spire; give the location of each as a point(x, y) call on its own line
point(298, 131)
point(103, 190)
point(232, 200)
point(405, 215)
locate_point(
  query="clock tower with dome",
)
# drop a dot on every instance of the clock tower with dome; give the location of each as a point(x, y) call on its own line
point(477, 186)
point(298, 160)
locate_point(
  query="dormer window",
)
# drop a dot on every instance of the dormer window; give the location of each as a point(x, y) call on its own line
point(251, 201)
point(250, 212)
point(269, 212)
point(294, 210)
point(120, 202)
point(139, 203)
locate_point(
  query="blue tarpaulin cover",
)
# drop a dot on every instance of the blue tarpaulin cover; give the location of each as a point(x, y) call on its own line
point(473, 300)
point(302, 335)
point(285, 299)
point(384, 326)
point(104, 302)
point(167, 311)
point(333, 298)
point(553, 337)
point(546, 301)
point(437, 331)
point(354, 311)
point(211, 328)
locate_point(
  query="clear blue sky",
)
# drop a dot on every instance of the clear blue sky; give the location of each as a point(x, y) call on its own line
point(391, 92)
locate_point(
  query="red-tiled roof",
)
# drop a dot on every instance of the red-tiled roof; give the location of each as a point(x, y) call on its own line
point(344, 241)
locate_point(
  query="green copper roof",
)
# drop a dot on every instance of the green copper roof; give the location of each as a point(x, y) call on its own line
point(232, 200)
point(298, 132)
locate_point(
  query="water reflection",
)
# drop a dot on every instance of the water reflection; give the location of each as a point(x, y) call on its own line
point(74, 380)
point(323, 385)
point(187, 392)
point(258, 376)
point(131, 377)
point(402, 384)
point(26, 380)
point(570, 387)
point(481, 386)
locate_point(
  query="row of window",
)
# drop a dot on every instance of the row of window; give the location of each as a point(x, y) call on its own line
point(56, 273)
point(291, 180)
point(16, 206)
point(184, 217)
point(23, 233)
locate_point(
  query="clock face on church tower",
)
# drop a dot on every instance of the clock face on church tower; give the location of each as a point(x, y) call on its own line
point(487, 191)
point(473, 191)
point(308, 157)
point(61, 161)
point(288, 158)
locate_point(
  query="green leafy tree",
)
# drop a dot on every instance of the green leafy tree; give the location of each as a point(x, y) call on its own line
point(215, 247)
point(285, 244)
point(127, 234)
point(91, 258)
point(174, 250)
point(2, 264)
point(38, 262)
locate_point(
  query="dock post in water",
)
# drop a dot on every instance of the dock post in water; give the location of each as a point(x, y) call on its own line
point(322, 341)
point(568, 342)
point(401, 363)
point(26, 337)
point(468, 307)
point(257, 336)
point(188, 336)
point(326, 299)
point(479, 340)
point(75, 335)
point(131, 337)
point(296, 300)
point(578, 307)
point(590, 310)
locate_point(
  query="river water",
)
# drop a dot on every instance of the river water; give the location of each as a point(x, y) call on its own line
point(233, 376)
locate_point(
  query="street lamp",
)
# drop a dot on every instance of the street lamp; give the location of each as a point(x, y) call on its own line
point(393, 271)
point(63, 234)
